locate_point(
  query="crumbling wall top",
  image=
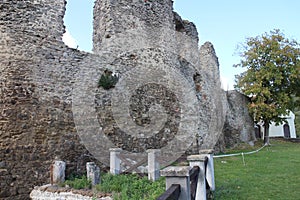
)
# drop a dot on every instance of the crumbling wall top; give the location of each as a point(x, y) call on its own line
point(40, 18)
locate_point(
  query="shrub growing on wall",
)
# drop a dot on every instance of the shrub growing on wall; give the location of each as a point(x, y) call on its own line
point(108, 80)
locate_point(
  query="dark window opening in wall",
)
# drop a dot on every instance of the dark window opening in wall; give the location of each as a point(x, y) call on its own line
point(78, 21)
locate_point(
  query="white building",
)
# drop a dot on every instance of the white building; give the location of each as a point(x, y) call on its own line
point(286, 129)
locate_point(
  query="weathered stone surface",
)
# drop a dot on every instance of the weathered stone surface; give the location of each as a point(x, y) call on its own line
point(93, 173)
point(213, 99)
point(239, 125)
point(57, 172)
point(53, 192)
point(175, 171)
point(185, 26)
point(153, 164)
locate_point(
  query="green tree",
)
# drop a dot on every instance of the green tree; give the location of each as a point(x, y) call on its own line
point(271, 77)
point(297, 115)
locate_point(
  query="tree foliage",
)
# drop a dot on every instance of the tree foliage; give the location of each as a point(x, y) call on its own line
point(272, 77)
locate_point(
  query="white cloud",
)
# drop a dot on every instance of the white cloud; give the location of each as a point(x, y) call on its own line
point(69, 40)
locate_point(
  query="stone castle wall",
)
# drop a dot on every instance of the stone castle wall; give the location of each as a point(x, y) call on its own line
point(37, 70)
point(44, 86)
point(238, 126)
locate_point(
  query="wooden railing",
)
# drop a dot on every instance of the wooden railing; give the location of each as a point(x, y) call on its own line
point(172, 193)
point(116, 158)
point(182, 182)
point(194, 174)
point(135, 167)
point(194, 180)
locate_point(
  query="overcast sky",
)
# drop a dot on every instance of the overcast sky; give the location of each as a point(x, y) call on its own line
point(224, 23)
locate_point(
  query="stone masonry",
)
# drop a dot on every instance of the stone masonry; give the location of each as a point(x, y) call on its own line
point(40, 85)
point(238, 127)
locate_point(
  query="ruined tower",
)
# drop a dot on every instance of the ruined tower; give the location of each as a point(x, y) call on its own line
point(35, 112)
point(136, 19)
point(135, 24)
point(141, 41)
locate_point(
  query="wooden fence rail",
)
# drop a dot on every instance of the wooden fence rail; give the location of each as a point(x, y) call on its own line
point(194, 180)
point(118, 158)
point(172, 193)
point(185, 177)
point(194, 174)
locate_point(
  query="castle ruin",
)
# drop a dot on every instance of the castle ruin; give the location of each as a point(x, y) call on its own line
point(51, 105)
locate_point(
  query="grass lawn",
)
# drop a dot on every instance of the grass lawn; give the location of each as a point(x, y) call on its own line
point(273, 173)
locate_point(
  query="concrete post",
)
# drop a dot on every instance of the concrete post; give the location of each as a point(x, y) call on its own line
point(198, 160)
point(153, 164)
point(181, 176)
point(93, 173)
point(115, 163)
point(210, 174)
point(57, 172)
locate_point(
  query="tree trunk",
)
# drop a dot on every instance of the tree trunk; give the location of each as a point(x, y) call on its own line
point(266, 136)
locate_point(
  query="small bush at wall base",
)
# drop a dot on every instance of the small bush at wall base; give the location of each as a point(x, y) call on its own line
point(78, 183)
point(122, 187)
point(131, 187)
